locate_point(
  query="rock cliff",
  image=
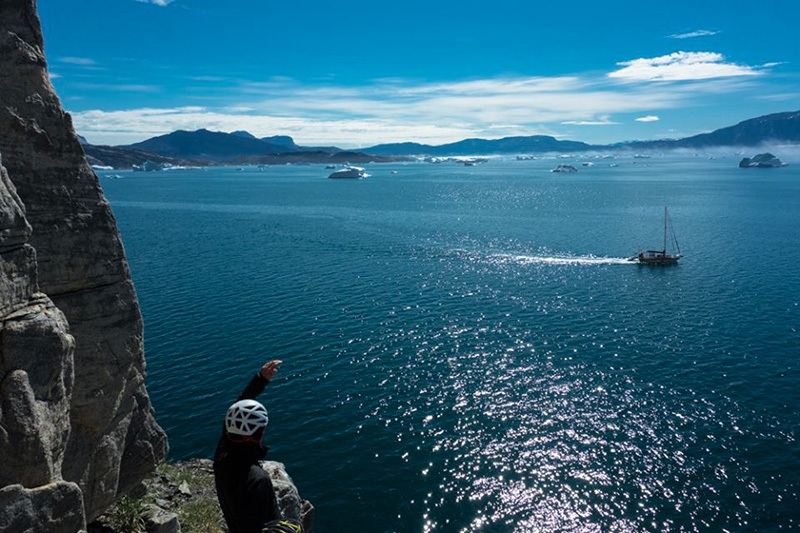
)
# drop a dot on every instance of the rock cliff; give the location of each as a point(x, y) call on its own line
point(76, 423)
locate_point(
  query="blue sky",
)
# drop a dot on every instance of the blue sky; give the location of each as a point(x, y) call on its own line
point(353, 73)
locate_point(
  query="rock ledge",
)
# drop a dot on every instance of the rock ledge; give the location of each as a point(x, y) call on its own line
point(183, 493)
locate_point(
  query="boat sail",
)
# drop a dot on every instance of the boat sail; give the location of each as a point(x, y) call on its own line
point(660, 257)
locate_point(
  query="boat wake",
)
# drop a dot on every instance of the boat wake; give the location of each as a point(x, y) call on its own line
point(557, 259)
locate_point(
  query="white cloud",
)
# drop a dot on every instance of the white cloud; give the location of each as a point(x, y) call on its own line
point(388, 111)
point(124, 127)
point(681, 66)
point(648, 118)
point(693, 34)
point(393, 110)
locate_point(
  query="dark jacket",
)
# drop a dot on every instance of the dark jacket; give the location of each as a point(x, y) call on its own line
point(245, 491)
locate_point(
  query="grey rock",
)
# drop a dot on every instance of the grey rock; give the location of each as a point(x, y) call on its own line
point(18, 278)
point(37, 380)
point(14, 228)
point(183, 488)
point(52, 508)
point(161, 502)
point(157, 520)
point(289, 500)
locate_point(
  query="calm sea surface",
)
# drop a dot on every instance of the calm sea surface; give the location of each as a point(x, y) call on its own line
point(466, 349)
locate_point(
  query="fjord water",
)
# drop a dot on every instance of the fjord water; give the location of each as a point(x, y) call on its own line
point(466, 349)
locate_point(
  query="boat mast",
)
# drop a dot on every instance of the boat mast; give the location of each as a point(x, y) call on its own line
point(673, 236)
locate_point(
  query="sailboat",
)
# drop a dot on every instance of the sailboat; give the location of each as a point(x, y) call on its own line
point(660, 257)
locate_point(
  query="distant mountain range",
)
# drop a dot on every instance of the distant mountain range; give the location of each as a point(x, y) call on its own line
point(203, 147)
point(779, 128)
point(507, 145)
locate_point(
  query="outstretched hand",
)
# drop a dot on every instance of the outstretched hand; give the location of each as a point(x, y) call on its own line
point(269, 369)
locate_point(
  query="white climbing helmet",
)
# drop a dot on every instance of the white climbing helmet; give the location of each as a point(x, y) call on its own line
point(246, 417)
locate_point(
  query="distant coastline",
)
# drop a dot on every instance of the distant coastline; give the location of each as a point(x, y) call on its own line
point(207, 148)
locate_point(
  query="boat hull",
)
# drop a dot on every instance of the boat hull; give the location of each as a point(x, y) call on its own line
point(656, 260)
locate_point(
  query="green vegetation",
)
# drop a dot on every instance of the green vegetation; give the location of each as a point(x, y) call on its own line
point(186, 489)
point(198, 511)
point(126, 516)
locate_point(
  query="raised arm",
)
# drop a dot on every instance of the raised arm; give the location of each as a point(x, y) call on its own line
point(260, 380)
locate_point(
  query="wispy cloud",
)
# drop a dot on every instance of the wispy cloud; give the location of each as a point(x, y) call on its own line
point(693, 34)
point(207, 78)
point(156, 2)
point(82, 61)
point(780, 97)
point(600, 121)
point(681, 66)
point(489, 101)
point(648, 118)
point(124, 87)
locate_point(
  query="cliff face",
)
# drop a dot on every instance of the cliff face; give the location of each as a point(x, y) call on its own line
point(74, 406)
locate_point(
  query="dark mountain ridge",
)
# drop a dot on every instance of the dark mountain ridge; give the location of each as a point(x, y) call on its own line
point(775, 128)
point(506, 145)
point(207, 145)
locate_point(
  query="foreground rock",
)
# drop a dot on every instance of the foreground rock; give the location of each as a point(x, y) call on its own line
point(765, 160)
point(52, 508)
point(75, 420)
point(183, 493)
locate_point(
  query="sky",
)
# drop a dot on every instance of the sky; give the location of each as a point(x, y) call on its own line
point(356, 73)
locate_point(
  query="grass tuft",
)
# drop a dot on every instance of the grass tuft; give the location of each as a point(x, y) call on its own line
point(126, 516)
point(186, 489)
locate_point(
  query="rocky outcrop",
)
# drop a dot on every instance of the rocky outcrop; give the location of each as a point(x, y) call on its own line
point(289, 500)
point(565, 169)
point(74, 406)
point(765, 160)
point(185, 491)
